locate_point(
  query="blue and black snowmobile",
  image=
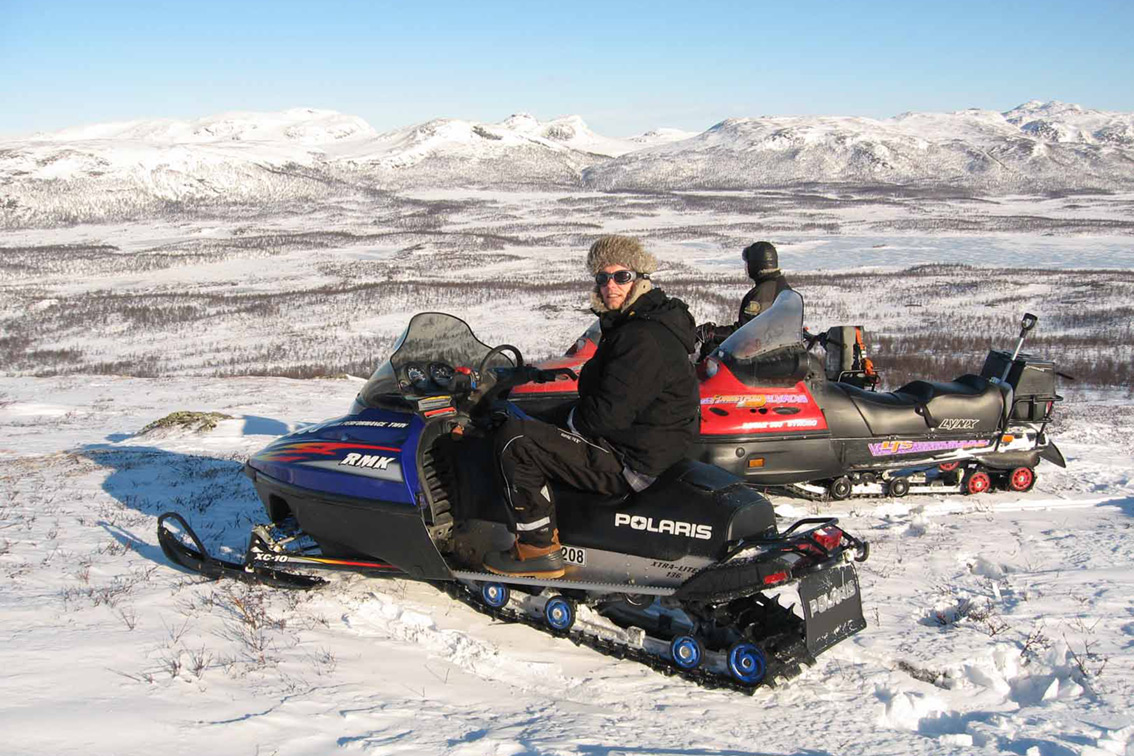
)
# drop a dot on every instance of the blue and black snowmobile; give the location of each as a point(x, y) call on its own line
point(692, 576)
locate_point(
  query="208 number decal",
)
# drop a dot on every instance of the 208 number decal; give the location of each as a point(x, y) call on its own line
point(574, 555)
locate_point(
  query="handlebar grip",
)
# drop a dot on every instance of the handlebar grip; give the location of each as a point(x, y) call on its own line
point(553, 374)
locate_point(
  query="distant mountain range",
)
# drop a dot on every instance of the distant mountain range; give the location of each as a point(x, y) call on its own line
point(127, 170)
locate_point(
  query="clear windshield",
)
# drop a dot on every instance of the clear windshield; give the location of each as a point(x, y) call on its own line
point(424, 357)
point(778, 327)
point(591, 336)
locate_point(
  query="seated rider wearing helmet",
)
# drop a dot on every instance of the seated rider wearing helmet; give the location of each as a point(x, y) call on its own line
point(763, 266)
point(637, 412)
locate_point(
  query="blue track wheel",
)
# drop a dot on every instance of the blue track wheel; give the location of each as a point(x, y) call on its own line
point(687, 652)
point(495, 594)
point(559, 613)
point(746, 663)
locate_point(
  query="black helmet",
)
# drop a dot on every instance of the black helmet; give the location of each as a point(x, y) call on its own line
point(761, 258)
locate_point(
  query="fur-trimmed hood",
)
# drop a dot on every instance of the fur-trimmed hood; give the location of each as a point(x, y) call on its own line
point(628, 252)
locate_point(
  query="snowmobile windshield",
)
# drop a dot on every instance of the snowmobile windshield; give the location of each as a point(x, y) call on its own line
point(592, 336)
point(770, 346)
point(778, 327)
point(424, 359)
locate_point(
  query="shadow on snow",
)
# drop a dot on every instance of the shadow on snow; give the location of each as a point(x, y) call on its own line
point(211, 493)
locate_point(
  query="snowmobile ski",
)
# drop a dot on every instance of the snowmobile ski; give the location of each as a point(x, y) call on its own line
point(173, 531)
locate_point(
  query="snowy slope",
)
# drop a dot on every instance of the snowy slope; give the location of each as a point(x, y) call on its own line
point(997, 624)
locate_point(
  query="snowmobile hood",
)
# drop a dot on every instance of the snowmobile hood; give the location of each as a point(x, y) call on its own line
point(360, 455)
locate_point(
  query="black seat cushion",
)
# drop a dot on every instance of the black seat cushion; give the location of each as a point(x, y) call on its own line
point(692, 509)
point(886, 413)
point(926, 391)
point(970, 403)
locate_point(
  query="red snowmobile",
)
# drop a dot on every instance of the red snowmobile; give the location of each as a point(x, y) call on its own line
point(776, 414)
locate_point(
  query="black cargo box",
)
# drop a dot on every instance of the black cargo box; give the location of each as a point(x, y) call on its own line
point(1032, 381)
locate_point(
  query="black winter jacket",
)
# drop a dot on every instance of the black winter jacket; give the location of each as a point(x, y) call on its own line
point(639, 391)
point(761, 296)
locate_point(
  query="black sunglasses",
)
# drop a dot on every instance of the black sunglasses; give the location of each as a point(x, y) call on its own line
point(620, 277)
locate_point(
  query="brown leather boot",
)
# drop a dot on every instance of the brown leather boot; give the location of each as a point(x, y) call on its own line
point(526, 560)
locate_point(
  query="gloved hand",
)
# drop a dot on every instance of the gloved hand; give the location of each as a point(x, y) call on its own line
point(705, 332)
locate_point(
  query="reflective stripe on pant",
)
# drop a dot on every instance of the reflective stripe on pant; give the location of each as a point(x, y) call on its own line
point(532, 454)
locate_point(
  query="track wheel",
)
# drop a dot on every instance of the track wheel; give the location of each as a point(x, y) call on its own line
point(559, 613)
point(949, 466)
point(899, 487)
point(687, 652)
point(495, 594)
point(1022, 479)
point(746, 663)
point(841, 488)
point(977, 482)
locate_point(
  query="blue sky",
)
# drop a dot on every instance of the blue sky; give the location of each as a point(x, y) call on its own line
point(624, 67)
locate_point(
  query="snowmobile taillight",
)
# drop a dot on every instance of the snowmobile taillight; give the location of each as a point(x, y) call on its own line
point(775, 578)
point(828, 538)
point(708, 368)
point(464, 370)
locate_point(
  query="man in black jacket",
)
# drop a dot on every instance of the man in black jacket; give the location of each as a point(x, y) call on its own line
point(763, 266)
point(637, 412)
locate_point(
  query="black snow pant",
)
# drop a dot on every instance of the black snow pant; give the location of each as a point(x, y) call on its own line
point(531, 455)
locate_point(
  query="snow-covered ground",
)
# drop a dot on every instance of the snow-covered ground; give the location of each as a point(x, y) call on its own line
point(997, 624)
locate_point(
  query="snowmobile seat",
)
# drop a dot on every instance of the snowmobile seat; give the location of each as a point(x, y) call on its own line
point(967, 403)
point(692, 509)
point(926, 391)
point(886, 413)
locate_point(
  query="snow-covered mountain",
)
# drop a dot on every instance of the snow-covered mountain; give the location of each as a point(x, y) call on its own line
point(139, 168)
point(160, 167)
point(1037, 146)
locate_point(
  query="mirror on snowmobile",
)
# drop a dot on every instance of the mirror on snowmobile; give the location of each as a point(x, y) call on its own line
point(1028, 323)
